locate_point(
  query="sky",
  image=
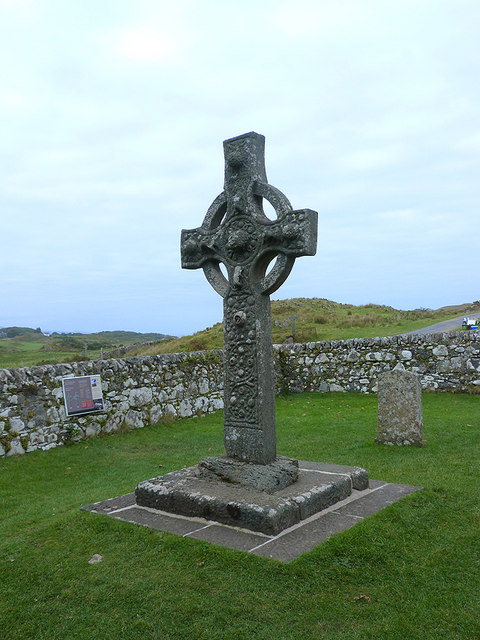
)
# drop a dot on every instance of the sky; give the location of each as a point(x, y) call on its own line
point(113, 115)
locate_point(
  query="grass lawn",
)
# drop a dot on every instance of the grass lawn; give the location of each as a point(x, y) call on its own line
point(410, 571)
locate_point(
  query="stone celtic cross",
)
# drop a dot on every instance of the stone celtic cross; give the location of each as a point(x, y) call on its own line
point(237, 233)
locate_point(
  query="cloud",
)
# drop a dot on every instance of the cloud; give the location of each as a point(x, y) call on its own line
point(17, 8)
point(146, 44)
point(469, 144)
point(306, 18)
point(375, 158)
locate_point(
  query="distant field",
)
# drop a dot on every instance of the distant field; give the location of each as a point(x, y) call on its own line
point(27, 347)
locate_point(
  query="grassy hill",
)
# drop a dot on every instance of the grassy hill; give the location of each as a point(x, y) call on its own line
point(318, 319)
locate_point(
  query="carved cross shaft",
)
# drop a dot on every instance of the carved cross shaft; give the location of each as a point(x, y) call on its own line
point(237, 233)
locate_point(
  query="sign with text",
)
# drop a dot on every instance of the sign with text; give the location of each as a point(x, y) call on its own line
point(82, 395)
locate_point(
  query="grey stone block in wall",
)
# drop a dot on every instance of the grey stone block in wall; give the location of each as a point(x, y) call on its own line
point(400, 419)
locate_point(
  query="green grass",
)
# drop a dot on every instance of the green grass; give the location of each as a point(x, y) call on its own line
point(410, 571)
point(18, 359)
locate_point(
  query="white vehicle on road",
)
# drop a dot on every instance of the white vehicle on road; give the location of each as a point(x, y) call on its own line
point(470, 323)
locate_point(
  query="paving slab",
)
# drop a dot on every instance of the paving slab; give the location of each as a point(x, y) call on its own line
point(381, 497)
point(285, 546)
point(293, 543)
point(157, 520)
point(229, 537)
point(113, 504)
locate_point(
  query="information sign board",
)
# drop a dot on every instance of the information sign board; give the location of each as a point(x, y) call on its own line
point(82, 394)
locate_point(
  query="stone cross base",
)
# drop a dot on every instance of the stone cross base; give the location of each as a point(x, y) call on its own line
point(190, 492)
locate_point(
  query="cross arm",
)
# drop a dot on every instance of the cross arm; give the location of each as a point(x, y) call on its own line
point(197, 247)
point(294, 234)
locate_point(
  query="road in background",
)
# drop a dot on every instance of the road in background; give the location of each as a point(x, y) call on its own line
point(446, 325)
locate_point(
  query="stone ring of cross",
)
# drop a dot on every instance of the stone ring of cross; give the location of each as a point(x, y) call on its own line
point(243, 243)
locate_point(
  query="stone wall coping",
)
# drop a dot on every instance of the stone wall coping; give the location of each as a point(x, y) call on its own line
point(451, 337)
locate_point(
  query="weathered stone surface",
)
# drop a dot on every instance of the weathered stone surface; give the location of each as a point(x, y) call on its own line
point(16, 448)
point(250, 487)
point(357, 475)
point(134, 419)
point(92, 430)
point(140, 397)
point(16, 424)
point(400, 419)
point(53, 415)
point(285, 546)
point(271, 477)
point(353, 356)
point(375, 356)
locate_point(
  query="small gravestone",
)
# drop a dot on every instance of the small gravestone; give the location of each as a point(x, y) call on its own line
point(250, 486)
point(400, 420)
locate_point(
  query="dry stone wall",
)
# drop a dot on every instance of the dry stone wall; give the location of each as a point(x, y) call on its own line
point(444, 362)
point(137, 392)
point(144, 390)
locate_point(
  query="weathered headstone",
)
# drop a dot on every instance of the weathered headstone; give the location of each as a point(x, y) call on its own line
point(250, 487)
point(400, 419)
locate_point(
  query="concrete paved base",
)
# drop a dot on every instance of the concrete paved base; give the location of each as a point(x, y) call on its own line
point(286, 545)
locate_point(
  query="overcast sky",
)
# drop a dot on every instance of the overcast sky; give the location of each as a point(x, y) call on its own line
point(113, 114)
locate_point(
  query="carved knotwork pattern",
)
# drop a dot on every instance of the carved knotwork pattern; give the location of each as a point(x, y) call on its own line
point(240, 347)
point(243, 240)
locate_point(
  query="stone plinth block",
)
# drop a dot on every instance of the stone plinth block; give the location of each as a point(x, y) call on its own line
point(400, 420)
point(186, 492)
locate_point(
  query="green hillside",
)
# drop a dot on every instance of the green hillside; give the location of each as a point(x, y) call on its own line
point(13, 332)
point(318, 319)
